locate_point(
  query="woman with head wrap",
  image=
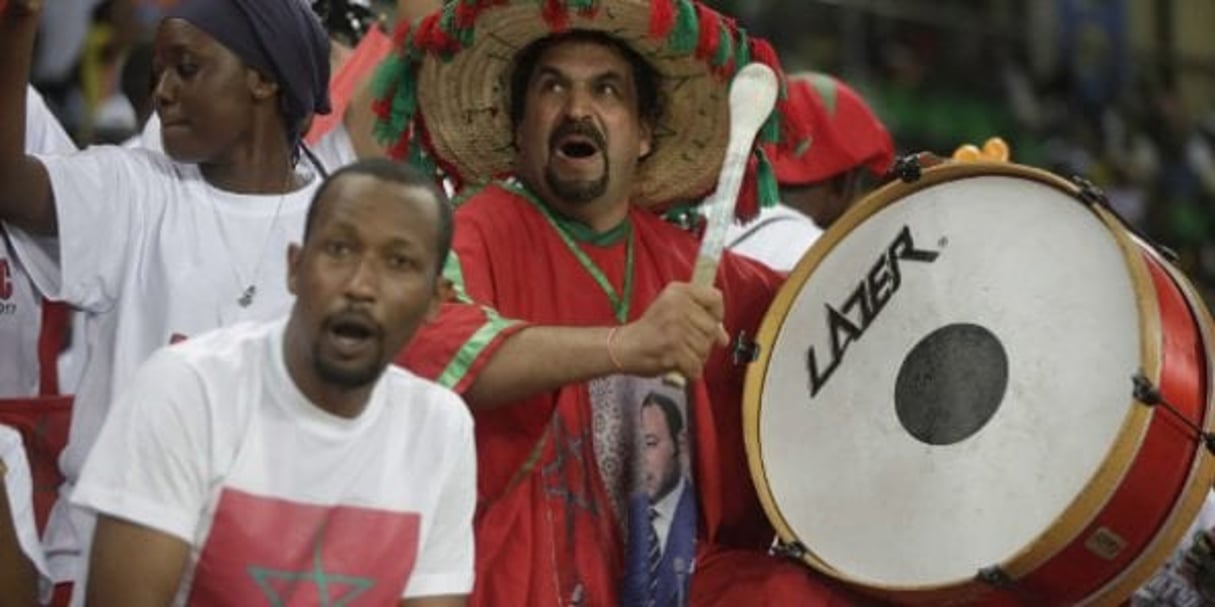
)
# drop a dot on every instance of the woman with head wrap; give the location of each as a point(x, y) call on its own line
point(158, 247)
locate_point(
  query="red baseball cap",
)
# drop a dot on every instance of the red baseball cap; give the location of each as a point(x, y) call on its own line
point(841, 133)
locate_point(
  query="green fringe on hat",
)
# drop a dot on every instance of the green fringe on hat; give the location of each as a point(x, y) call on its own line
point(686, 33)
point(742, 50)
point(765, 180)
point(770, 132)
point(395, 82)
point(450, 23)
point(725, 48)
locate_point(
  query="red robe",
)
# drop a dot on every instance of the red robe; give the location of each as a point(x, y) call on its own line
point(545, 533)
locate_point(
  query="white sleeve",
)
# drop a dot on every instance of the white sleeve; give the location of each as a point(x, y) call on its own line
point(779, 244)
point(98, 204)
point(19, 487)
point(150, 464)
point(445, 563)
point(43, 133)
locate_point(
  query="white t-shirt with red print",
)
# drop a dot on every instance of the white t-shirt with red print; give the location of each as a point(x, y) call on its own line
point(20, 303)
point(279, 500)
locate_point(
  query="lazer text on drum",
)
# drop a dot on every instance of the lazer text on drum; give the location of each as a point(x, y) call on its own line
point(849, 322)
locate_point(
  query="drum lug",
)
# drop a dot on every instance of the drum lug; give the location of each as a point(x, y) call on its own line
point(1092, 195)
point(1144, 391)
point(794, 550)
point(745, 351)
point(994, 576)
point(1148, 394)
point(907, 168)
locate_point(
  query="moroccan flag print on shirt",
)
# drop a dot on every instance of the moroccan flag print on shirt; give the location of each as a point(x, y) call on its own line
point(270, 551)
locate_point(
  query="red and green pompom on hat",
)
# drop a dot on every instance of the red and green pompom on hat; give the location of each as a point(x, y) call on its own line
point(841, 133)
point(443, 94)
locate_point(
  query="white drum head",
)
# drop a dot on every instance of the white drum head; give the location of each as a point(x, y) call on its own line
point(982, 374)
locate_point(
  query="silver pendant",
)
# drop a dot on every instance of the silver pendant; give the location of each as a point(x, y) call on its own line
point(246, 298)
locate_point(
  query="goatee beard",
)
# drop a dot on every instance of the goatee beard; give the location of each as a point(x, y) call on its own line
point(576, 191)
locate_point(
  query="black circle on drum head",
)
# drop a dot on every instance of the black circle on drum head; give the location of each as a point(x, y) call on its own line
point(951, 384)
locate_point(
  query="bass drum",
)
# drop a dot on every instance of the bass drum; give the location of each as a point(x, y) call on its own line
point(979, 387)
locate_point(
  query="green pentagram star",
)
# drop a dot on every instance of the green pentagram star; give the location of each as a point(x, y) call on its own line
point(262, 576)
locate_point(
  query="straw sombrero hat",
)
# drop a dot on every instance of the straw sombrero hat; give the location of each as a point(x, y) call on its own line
point(443, 98)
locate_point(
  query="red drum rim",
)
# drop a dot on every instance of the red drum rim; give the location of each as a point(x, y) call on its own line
point(1202, 472)
point(1074, 519)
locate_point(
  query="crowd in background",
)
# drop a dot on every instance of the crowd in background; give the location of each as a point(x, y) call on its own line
point(93, 63)
point(1065, 82)
point(938, 74)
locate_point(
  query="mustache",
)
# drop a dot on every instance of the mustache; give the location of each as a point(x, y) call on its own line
point(584, 128)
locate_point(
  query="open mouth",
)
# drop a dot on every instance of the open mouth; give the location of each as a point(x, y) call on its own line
point(577, 148)
point(578, 141)
point(352, 332)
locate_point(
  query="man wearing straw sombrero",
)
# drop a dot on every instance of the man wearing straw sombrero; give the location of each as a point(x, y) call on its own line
point(569, 126)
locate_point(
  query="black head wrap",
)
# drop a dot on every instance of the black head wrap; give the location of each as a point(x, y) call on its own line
point(280, 38)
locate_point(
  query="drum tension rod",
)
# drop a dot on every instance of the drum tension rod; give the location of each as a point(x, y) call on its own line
point(745, 350)
point(1149, 395)
point(1094, 196)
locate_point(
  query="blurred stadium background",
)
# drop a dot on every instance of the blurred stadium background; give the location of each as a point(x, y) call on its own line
point(1120, 91)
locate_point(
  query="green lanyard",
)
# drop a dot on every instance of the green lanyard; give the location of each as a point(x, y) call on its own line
point(620, 303)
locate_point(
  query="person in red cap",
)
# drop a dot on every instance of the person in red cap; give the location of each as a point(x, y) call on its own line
point(820, 175)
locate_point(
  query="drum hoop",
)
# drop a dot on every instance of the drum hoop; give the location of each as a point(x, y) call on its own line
point(1202, 472)
point(1089, 501)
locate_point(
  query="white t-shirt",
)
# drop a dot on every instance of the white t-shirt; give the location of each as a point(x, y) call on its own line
point(20, 303)
point(20, 489)
point(214, 444)
point(153, 254)
point(778, 237)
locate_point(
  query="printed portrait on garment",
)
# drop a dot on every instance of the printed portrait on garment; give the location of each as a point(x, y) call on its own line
point(643, 445)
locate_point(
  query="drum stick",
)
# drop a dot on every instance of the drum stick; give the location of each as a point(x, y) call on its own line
point(752, 97)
